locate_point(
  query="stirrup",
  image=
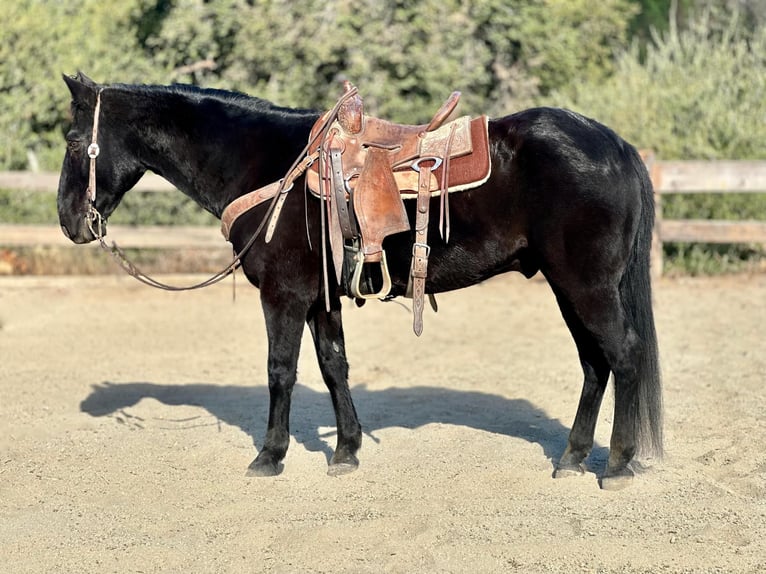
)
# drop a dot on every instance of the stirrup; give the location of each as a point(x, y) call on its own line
point(356, 280)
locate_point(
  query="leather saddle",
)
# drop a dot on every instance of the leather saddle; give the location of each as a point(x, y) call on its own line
point(366, 167)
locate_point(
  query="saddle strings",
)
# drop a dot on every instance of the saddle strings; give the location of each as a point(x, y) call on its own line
point(444, 184)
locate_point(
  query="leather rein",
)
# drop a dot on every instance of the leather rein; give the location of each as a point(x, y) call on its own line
point(94, 219)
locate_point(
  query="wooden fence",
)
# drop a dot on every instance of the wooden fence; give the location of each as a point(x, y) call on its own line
point(725, 176)
point(688, 176)
point(128, 236)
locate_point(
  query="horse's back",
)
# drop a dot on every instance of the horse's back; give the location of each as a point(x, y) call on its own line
point(540, 139)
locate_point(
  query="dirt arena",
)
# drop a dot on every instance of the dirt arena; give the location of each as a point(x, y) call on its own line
point(128, 417)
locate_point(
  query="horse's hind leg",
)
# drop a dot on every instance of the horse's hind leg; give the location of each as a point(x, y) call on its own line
point(596, 372)
point(327, 331)
point(600, 312)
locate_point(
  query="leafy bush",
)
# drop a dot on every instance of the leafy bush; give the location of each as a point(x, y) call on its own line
point(39, 40)
point(731, 206)
point(699, 93)
point(406, 57)
point(696, 94)
point(711, 258)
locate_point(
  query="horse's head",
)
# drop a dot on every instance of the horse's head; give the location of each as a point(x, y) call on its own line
point(94, 177)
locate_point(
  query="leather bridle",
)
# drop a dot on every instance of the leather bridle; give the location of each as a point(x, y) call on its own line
point(94, 218)
point(95, 222)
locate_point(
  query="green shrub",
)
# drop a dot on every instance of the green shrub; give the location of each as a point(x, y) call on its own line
point(697, 94)
point(731, 206)
point(711, 258)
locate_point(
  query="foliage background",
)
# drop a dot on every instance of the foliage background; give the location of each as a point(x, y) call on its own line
point(686, 78)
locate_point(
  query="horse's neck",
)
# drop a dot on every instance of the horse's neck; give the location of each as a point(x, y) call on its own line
point(234, 156)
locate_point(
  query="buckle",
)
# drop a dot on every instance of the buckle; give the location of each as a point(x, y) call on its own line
point(424, 246)
point(93, 150)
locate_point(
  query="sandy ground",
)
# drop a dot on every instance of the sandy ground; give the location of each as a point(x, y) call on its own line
point(128, 417)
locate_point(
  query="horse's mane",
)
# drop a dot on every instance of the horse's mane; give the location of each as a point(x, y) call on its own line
point(198, 94)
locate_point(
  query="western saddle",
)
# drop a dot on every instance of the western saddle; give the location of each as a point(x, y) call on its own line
point(363, 168)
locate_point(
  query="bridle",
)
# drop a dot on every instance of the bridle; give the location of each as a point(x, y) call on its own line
point(95, 220)
point(92, 216)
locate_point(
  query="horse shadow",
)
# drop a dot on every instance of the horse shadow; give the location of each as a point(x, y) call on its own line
point(410, 408)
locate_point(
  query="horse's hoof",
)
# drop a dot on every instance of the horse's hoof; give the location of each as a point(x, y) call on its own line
point(343, 466)
point(568, 471)
point(618, 480)
point(264, 468)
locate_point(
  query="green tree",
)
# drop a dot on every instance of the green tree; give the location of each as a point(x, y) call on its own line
point(655, 16)
point(564, 42)
point(404, 56)
point(40, 40)
point(697, 93)
point(192, 40)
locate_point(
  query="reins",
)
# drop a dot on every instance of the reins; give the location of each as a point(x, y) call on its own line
point(94, 218)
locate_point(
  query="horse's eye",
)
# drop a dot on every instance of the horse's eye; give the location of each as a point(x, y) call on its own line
point(73, 145)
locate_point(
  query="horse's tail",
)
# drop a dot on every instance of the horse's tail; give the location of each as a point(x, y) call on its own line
point(636, 295)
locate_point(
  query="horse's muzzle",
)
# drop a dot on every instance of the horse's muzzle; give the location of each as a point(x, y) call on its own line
point(81, 232)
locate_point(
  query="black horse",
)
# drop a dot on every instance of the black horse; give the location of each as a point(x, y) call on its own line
point(566, 197)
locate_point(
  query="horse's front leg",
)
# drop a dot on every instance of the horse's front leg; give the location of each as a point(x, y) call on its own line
point(327, 330)
point(284, 325)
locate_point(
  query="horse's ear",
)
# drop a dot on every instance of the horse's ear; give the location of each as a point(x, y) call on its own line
point(85, 79)
point(83, 92)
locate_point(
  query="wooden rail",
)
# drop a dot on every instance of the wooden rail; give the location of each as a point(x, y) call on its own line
point(48, 181)
point(128, 236)
point(726, 176)
point(690, 176)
